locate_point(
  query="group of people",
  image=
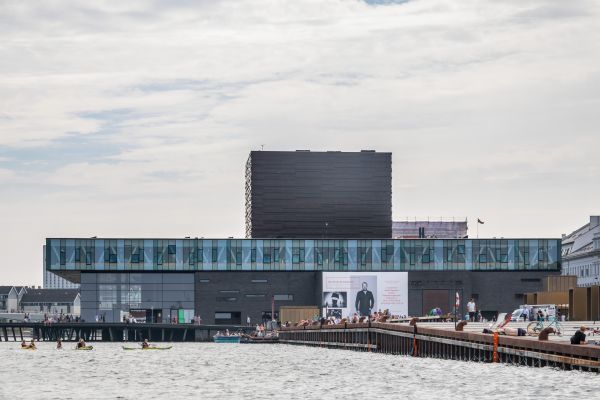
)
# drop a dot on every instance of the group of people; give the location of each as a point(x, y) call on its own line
point(30, 345)
point(56, 318)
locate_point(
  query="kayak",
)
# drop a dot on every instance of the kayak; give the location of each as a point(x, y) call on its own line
point(84, 348)
point(28, 348)
point(147, 348)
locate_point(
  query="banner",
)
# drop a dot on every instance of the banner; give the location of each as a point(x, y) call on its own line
point(363, 293)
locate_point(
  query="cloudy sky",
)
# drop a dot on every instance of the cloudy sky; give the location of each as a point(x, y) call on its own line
point(135, 118)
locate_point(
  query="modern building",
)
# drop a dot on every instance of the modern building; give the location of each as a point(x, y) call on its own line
point(319, 229)
point(434, 229)
point(306, 194)
point(581, 253)
point(226, 280)
point(53, 281)
point(51, 301)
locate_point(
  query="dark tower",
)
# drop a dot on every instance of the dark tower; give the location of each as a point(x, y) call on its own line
point(304, 194)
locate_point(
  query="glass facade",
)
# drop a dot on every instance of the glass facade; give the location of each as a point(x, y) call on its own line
point(159, 297)
point(302, 255)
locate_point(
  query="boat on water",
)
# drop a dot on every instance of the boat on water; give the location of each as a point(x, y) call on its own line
point(227, 338)
point(28, 348)
point(84, 348)
point(148, 348)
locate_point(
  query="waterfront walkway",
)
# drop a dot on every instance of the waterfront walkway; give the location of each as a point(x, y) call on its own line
point(440, 340)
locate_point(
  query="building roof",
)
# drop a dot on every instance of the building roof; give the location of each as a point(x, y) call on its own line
point(50, 296)
point(5, 289)
point(580, 242)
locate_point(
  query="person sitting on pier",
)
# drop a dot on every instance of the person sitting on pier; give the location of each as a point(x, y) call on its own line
point(81, 343)
point(58, 344)
point(579, 336)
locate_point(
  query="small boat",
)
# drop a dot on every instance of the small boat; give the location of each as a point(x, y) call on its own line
point(148, 348)
point(85, 348)
point(28, 348)
point(227, 339)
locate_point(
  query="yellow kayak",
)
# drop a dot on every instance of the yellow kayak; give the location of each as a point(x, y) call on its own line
point(84, 348)
point(28, 348)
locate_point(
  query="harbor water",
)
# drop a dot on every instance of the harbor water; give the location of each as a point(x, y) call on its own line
point(261, 371)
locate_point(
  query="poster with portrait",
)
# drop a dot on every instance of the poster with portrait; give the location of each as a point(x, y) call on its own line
point(363, 293)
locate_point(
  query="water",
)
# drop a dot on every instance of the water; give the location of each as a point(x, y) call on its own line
point(229, 371)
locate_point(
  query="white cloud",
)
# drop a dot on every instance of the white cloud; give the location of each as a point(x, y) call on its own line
point(136, 118)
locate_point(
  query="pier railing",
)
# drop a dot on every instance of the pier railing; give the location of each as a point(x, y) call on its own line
point(424, 341)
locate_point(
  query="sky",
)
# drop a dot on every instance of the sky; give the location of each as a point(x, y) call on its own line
point(135, 118)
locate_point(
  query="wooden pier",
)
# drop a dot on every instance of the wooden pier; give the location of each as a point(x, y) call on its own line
point(112, 332)
point(424, 341)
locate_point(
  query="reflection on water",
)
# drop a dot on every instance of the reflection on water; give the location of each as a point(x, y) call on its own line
point(230, 371)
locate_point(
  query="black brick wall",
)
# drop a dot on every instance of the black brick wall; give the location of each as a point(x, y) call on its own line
point(294, 195)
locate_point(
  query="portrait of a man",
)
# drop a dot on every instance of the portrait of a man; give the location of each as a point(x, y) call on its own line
point(364, 300)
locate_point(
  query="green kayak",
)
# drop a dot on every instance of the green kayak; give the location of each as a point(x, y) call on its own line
point(148, 348)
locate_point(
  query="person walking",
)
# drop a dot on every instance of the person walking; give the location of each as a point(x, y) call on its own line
point(248, 321)
point(472, 309)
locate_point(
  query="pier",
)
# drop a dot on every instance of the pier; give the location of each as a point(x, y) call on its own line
point(423, 340)
point(112, 332)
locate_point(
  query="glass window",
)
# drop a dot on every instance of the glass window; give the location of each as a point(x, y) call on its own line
point(284, 297)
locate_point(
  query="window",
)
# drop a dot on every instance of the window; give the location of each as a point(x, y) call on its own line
point(204, 280)
point(259, 281)
point(253, 255)
point(256, 296)
point(171, 248)
point(214, 255)
point(461, 249)
point(483, 258)
point(426, 257)
point(229, 291)
point(284, 297)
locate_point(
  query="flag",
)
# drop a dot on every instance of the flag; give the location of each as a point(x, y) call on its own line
point(480, 221)
point(457, 303)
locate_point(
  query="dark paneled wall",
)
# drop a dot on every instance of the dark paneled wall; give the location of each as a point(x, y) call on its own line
point(318, 194)
point(215, 290)
point(495, 291)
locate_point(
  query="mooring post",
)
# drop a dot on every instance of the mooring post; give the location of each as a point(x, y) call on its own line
point(495, 354)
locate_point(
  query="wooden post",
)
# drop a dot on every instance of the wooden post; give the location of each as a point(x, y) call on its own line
point(495, 355)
